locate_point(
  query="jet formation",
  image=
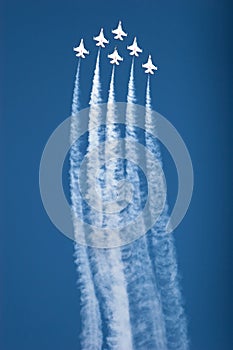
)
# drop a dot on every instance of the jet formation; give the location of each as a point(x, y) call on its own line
point(115, 58)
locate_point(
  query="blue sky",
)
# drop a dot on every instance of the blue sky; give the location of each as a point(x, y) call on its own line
point(190, 42)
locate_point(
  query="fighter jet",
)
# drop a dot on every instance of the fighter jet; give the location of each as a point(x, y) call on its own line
point(101, 40)
point(119, 32)
point(115, 57)
point(149, 66)
point(134, 48)
point(81, 51)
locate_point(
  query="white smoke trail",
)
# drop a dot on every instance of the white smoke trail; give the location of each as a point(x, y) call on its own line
point(91, 336)
point(117, 307)
point(145, 310)
point(101, 275)
point(93, 193)
point(111, 134)
point(106, 264)
point(113, 151)
point(164, 255)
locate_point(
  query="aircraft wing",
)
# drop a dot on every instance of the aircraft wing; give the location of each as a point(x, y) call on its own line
point(111, 56)
point(131, 47)
point(119, 58)
point(97, 38)
point(145, 65)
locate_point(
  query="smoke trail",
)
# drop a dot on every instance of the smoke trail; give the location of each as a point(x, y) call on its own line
point(91, 336)
point(111, 134)
point(145, 311)
point(106, 265)
point(93, 162)
point(163, 254)
point(117, 307)
point(114, 151)
point(131, 98)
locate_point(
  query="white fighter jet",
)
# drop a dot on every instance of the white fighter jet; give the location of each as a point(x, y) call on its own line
point(81, 51)
point(134, 48)
point(115, 57)
point(149, 66)
point(119, 32)
point(101, 40)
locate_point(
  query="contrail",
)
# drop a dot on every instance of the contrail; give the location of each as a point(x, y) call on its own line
point(130, 296)
point(145, 310)
point(163, 253)
point(91, 336)
point(106, 264)
point(114, 151)
point(111, 132)
point(117, 307)
point(93, 193)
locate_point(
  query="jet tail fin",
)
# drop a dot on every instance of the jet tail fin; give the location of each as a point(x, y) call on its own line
point(149, 71)
point(79, 54)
